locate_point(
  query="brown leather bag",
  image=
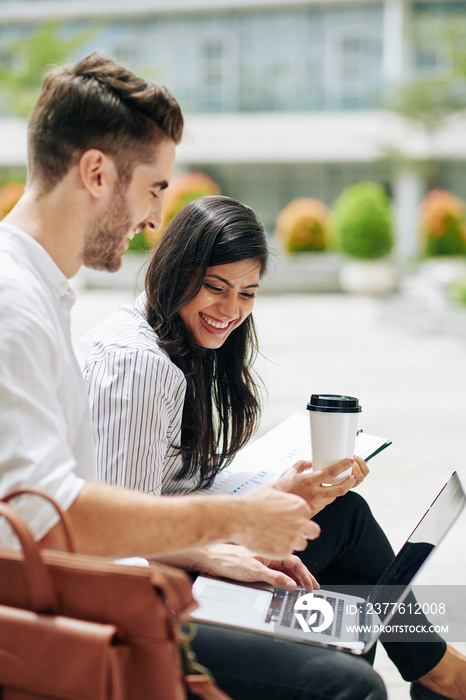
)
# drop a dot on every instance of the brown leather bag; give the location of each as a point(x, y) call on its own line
point(77, 627)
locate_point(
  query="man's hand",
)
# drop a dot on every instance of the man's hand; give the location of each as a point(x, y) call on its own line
point(275, 523)
point(308, 484)
point(238, 563)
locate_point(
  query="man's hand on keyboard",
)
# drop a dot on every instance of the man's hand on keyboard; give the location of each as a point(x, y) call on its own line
point(239, 563)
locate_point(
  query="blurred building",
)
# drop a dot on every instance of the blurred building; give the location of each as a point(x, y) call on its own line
point(282, 98)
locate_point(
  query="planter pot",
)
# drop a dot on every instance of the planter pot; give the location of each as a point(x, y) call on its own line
point(303, 273)
point(375, 277)
point(443, 270)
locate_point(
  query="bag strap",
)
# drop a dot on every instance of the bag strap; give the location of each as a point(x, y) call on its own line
point(38, 584)
point(198, 678)
point(205, 686)
point(65, 519)
point(175, 587)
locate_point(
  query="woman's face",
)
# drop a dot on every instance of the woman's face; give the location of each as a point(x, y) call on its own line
point(225, 300)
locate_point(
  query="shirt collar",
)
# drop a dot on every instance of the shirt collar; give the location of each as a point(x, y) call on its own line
point(51, 274)
point(141, 304)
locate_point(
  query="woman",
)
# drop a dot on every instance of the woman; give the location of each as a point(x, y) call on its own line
point(173, 399)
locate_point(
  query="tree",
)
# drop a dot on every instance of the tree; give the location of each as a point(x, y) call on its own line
point(430, 101)
point(24, 62)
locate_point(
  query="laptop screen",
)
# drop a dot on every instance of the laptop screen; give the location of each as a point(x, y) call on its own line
point(395, 581)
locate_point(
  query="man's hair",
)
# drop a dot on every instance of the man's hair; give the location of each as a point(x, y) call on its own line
point(98, 104)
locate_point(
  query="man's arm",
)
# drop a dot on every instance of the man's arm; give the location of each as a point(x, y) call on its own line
point(118, 522)
point(240, 564)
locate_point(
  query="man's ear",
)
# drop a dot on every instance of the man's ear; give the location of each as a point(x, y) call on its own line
point(97, 172)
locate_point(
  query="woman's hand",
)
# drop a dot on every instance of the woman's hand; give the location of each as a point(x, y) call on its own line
point(309, 484)
point(360, 470)
point(239, 563)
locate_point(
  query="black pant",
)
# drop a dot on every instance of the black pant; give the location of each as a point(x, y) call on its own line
point(354, 551)
point(251, 666)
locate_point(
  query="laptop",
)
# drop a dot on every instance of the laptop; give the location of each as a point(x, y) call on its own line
point(343, 621)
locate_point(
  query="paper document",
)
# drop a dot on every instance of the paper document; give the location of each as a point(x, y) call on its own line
point(268, 457)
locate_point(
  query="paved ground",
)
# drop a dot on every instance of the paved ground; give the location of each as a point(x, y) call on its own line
point(412, 388)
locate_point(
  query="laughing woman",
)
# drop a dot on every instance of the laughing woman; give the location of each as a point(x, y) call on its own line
point(173, 399)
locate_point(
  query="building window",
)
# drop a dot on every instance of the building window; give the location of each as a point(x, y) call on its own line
point(215, 75)
point(436, 28)
point(288, 59)
point(354, 60)
point(212, 57)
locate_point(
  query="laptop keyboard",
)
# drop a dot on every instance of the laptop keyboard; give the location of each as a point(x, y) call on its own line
point(276, 604)
point(281, 611)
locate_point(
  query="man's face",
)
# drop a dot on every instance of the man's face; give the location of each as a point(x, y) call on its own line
point(131, 208)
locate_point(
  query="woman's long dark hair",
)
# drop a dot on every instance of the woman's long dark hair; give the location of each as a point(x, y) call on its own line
point(222, 407)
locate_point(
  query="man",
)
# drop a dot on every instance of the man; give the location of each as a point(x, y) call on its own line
point(101, 148)
point(101, 152)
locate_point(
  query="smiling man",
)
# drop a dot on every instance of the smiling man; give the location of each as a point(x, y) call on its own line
point(101, 149)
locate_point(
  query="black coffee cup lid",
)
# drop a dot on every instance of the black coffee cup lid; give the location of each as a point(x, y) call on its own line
point(334, 403)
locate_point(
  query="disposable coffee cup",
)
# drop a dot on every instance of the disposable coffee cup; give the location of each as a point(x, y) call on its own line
point(334, 424)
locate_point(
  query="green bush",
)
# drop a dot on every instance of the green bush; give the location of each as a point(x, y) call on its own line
point(302, 225)
point(140, 242)
point(443, 224)
point(184, 187)
point(362, 221)
point(456, 291)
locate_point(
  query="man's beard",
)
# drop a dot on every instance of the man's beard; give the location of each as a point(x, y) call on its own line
point(106, 234)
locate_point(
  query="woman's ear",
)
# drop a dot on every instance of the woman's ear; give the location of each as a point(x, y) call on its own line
point(97, 172)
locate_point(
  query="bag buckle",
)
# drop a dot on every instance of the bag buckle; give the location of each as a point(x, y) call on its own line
point(191, 664)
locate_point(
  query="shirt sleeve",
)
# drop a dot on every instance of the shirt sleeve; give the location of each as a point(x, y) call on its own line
point(133, 403)
point(35, 448)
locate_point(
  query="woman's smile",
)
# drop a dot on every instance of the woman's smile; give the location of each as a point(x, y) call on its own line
point(214, 324)
point(223, 303)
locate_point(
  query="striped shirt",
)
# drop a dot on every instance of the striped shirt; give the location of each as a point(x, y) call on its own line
point(136, 396)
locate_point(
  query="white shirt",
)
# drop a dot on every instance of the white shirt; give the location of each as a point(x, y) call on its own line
point(136, 395)
point(45, 432)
